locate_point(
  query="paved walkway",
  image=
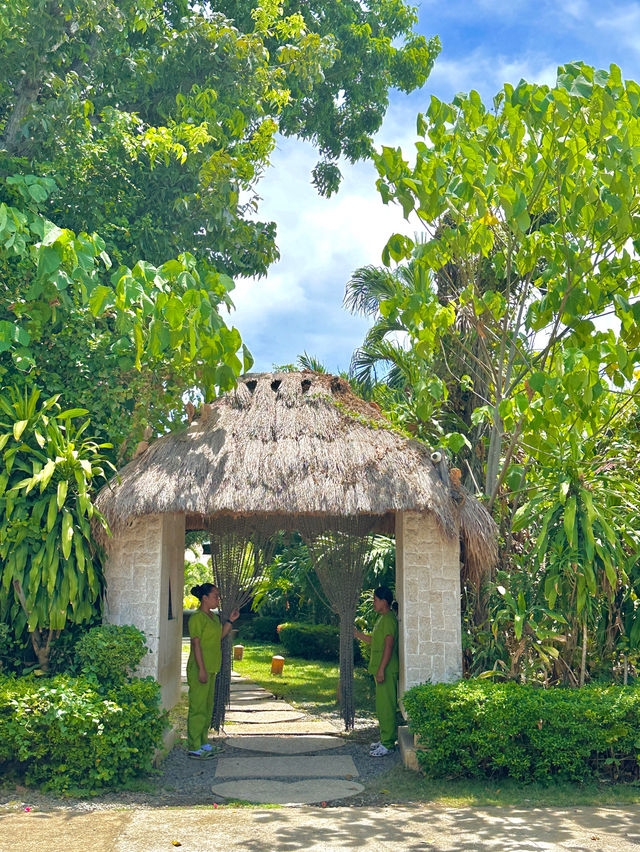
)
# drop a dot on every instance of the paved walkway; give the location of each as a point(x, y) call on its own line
point(396, 829)
point(295, 760)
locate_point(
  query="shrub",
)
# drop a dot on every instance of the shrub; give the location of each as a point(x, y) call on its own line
point(483, 729)
point(310, 641)
point(7, 644)
point(262, 627)
point(107, 654)
point(64, 734)
point(314, 641)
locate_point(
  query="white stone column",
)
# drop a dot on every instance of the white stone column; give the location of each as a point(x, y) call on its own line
point(428, 594)
point(144, 559)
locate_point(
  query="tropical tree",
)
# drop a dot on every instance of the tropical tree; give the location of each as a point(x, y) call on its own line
point(375, 48)
point(149, 124)
point(416, 393)
point(529, 211)
point(529, 216)
point(50, 567)
point(153, 119)
point(127, 343)
point(157, 118)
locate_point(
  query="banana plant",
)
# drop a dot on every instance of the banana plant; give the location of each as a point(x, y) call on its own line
point(50, 566)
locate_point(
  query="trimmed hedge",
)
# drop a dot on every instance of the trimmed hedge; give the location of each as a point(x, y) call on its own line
point(310, 641)
point(261, 627)
point(482, 729)
point(314, 641)
point(65, 734)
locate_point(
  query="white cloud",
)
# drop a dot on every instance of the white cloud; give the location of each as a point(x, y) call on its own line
point(298, 307)
point(622, 25)
point(487, 73)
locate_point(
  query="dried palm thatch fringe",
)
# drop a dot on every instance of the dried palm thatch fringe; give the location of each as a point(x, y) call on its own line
point(238, 559)
point(339, 556)
point(479, 538)
point(281, 444)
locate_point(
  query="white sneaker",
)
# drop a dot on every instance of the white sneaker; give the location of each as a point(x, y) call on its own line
point(374, 746)
point(381, 751)
point(197, 753)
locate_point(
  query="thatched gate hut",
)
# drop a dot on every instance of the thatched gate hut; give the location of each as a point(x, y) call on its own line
point(283, 451)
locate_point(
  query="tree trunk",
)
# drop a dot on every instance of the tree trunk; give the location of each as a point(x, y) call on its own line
point(26, 95)
point(583, 664)
point(41, 640)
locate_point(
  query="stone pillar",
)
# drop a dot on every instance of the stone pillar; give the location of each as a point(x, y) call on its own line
point(145, 564)
point(428, 594)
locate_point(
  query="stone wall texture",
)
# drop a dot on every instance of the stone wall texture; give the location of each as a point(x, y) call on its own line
point(144, 557)
point(428, 594)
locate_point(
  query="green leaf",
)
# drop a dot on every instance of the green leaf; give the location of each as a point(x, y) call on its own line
point(61, 493)
point(18, 428)
point(72, 412)
point(52, 512)
point(101, 298)
point(67, 533)
point(455, 441)
point(569, 519)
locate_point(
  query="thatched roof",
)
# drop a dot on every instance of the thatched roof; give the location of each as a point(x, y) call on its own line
point(284, 445)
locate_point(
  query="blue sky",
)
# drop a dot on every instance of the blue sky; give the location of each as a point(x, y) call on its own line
point(485, 43)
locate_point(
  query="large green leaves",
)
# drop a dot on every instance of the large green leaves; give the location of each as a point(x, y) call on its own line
point(51, 572)
point(529, 212)
point(163, 323)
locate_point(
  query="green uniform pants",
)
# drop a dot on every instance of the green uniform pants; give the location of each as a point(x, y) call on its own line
point(201, 697)
point(386, 704)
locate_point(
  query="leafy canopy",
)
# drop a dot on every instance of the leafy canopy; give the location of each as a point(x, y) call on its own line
point(531, 213)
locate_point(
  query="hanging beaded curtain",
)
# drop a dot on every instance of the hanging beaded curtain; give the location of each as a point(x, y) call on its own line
point(238, 556)
point(339, 555)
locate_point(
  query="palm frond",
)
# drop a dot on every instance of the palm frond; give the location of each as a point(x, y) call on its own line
point(368, 286)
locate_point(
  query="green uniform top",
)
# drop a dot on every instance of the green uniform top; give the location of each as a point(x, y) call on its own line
point(209, 631)
point(386, 625)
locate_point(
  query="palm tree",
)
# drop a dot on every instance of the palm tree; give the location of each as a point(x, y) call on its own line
point(385, 361)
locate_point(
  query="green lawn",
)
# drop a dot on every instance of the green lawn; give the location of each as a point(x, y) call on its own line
point(310, 684)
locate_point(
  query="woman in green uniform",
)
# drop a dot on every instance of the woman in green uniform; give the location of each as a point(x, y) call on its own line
point(383, 665)
point(205, 658)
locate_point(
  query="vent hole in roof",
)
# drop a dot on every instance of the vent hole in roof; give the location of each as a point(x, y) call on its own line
point(306, 384)
point(251, 384)
point(275, 384)
point(337, 385)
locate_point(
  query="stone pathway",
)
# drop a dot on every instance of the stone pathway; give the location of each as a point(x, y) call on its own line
point(288, 770)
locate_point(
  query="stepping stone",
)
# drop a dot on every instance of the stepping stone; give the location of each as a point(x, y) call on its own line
point(251, 698)
point(304, 726)
point(284, 745)
point(250, 694)
point(269, 716)
point(259, 706)
point(304, 792)
point(247, 686)
point(322, 766)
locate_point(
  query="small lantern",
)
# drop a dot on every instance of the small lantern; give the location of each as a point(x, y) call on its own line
point(277, 664)
point(238, 651)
